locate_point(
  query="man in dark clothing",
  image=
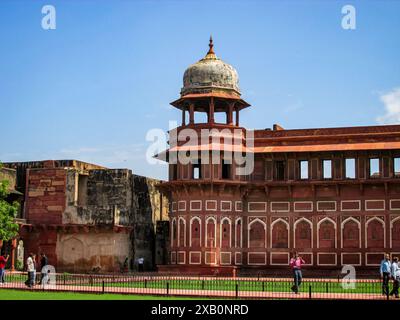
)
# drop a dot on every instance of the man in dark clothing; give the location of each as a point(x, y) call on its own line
point(43, 263)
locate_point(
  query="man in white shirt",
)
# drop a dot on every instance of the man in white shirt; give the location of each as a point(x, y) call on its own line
point(30, 266)
point(396, 277)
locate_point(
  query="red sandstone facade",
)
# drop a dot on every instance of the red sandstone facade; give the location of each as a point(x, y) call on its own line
point(331, 194)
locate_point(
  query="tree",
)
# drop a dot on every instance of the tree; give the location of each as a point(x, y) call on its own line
point(8, 212)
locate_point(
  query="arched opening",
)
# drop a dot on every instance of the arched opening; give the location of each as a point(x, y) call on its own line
point(396, 233)
point(182, 232)
point(210, 232)
point(238, 233)
point(303, 234)
point(257, 234)
point(327, 234)
point(195, 233)
point(225, 234)
point(375, 234)
point(280, 235)
point(351, 234)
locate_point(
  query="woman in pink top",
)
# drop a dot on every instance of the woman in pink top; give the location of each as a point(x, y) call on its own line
point(295, 263)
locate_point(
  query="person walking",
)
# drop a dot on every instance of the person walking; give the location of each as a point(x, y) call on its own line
point(43, 263)
point(396, 277)
point(141, 264)
point(296, 263)
point(385, 271)
point(30, 266)
point(3, 262)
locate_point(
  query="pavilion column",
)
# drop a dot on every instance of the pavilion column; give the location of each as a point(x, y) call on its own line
point(13, 246)
point(191, 113)
point(229, 115)
point(183, 116)
point(237, 116)
point(211, 111)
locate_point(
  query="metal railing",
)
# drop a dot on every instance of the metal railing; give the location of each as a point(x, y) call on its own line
point(248, 287)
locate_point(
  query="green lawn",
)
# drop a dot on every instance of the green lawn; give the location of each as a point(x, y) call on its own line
point(213, 284)
point(6, 294)
point(230, 285)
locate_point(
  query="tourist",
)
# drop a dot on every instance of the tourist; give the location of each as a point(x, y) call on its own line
point(34, 267)
point(396, 277)
point(43, 263)
point(3, 261)
point(141, 264)
point(295, 263)
point(385, 271)
point(125, 267)
point(30, 265)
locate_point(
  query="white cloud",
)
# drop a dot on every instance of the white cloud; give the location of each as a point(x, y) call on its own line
point(391, 100)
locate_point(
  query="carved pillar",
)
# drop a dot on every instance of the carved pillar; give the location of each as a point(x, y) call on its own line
point(183, 116)
point(13, 246)
point(229, 115)
point(211, 111)
point(191, 113)
point(237, 116)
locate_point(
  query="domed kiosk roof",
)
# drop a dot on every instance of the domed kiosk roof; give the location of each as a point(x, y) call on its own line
point(210, 74)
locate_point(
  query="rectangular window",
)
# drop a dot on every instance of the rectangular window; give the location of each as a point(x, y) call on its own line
point(374, 168)
point(396, 167)
point(196, 174)
point(327, 169)
point(350, 168)
point(303, 169)
point(280, 170)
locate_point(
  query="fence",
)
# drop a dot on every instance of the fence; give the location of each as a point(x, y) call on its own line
point(203, 286)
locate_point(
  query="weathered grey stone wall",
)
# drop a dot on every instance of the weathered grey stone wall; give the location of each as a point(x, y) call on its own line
point(149, 207)
point(108, 197)
point(117, 197)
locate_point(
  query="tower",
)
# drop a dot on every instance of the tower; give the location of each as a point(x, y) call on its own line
point(204, 187)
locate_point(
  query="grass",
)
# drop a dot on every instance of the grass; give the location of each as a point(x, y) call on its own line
point(8, 294)
point(217, 284)
point(261, 286)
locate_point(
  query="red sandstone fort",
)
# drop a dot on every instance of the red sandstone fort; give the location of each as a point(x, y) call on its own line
point(331, 194)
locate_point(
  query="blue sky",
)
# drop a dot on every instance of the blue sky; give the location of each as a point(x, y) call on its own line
point(92, 88)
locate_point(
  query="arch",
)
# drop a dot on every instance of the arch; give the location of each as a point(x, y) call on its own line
point(376, 236)
point(239, 233)
point(173, 232)
point(73, 250)
point(326, 238)
point(211, 232)
point(195, 235)
point(302, 237)
point(352, 240)
point(256, 234)
point(395, 233)
point(181, 232)
point(278, 237)
point(225, 237)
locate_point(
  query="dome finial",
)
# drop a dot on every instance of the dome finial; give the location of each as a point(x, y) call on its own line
point(211, 45)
